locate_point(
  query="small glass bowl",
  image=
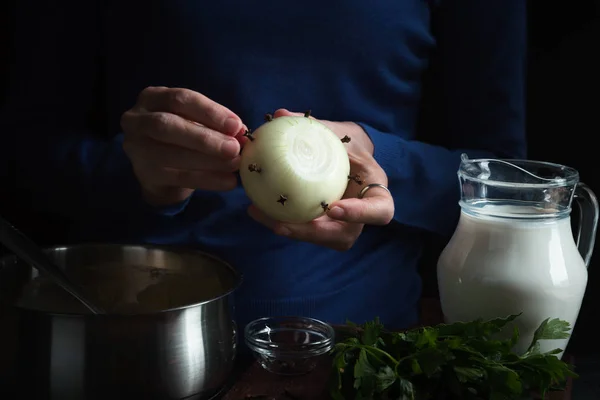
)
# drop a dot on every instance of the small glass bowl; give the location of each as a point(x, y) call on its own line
point(289, 345)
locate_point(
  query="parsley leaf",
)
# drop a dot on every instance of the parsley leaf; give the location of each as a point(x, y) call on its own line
point(466, 359)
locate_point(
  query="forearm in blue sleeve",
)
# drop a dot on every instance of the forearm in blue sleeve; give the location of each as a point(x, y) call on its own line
point(422, 179)
point(72, 174)
point(480, 87)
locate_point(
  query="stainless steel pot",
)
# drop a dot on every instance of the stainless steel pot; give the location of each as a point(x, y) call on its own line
point(179, 352)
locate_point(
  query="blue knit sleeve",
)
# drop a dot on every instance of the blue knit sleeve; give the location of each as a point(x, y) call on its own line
point(481, 61)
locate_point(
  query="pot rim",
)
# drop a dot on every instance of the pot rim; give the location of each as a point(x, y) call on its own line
point(238, 276)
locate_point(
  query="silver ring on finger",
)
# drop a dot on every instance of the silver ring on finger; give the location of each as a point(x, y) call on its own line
point(364, 190)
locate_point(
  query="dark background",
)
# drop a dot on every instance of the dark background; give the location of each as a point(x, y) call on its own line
point(563, 119)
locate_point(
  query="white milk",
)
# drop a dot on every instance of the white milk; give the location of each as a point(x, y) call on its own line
point(494, 267)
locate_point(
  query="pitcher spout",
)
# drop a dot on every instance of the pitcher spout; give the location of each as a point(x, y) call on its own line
point(524, 188)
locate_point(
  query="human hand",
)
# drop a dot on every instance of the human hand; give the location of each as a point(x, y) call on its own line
point(179, 140)
point(342, 225)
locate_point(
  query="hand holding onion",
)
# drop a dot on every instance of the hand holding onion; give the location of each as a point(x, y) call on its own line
point(179, 140)
point(304, 176)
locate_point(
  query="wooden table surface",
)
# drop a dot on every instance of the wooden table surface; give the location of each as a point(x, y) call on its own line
point(255, 383)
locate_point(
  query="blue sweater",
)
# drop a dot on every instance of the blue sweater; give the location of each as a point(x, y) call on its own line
point(79, 67)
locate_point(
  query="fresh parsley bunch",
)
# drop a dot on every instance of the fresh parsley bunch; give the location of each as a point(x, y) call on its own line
point(446, 361)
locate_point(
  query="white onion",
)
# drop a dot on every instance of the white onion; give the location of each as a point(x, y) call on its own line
point(293, 168)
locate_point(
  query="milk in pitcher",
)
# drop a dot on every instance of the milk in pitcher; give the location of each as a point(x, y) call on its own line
point(514, 251)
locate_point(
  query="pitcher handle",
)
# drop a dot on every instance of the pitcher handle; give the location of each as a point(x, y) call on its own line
point(588, 221)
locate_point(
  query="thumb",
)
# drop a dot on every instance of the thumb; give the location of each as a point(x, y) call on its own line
point(373, 210)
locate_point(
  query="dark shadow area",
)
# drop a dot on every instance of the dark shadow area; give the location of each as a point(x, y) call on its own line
point(563, 117)
point(564, 84)
point(14, 205)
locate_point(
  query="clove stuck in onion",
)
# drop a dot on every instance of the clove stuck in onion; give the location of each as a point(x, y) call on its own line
point(293, 167)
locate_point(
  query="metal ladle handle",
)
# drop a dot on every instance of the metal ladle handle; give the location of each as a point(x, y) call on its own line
point(29, 252)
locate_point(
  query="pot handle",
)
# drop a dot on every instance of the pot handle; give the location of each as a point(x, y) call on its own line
point(588, 221)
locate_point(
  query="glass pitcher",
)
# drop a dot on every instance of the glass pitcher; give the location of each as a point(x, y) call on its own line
point(513, 250)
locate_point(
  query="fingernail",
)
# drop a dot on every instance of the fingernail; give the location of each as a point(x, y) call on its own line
point(230, 148)
point(336, 212)
point(232, 126)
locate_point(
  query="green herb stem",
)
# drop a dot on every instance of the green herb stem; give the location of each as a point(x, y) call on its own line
point(374, 351)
